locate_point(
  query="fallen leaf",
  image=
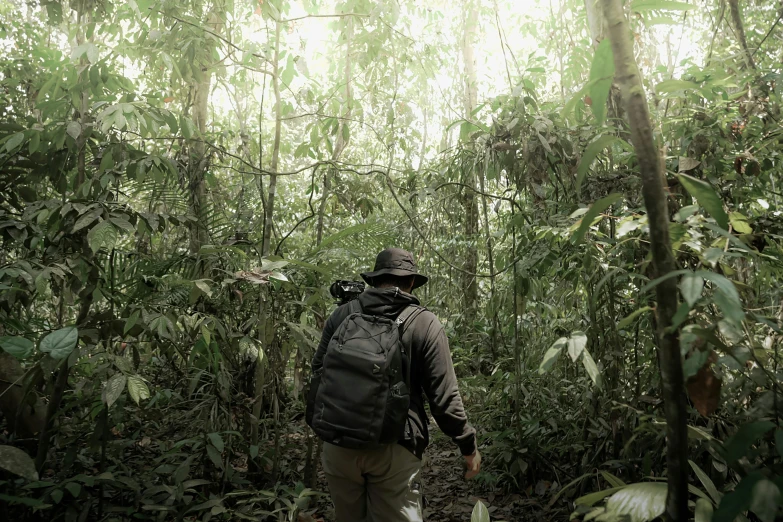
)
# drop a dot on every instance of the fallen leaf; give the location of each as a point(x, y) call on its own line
point(704, 390)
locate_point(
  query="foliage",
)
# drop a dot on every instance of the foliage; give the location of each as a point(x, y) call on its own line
point(172, 344)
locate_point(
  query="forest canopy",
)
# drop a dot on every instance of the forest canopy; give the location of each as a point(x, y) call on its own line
point(594, 188)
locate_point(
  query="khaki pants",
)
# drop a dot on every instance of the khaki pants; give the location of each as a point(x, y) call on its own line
point(380, 485)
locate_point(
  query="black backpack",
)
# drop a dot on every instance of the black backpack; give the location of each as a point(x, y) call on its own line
point(360, 396)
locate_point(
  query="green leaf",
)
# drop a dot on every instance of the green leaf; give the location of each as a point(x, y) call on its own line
point(216, 441)
point(113, 389)
point(669, 86)
point(587, 220)
point(691, 287)
point(35, 142)
point(601, 76)
point(640, 502)
point(591, 152)
point(202, 285)
point(731, 308)
point(102, 235)
point(703, 510)
point(551, 355)
point(630, 318)
point(289, 71)
point(137, 389)
point(107, 162)
point(613, 480)
point(17, 462)
point(60, 343)
point(734, 503)
point(19, 347)
point(277, 275)
point(766, 497)
point(131, 322)
point(186, 125)
point(707, 197)
point(576, 344)
point(14, 141)
point(779, 441)
point(737, 446)
point(651, 5)
point(706, 482)
point(740, 223)
point(86, 219)
point(74, 129)
point(592, 498)
point(214, 456)
point(480, 513)
point(592, 368)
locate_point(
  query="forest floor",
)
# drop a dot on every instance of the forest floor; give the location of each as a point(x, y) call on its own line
point(448, 497)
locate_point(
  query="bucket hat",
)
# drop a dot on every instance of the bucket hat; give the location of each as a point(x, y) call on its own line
point(397, 262)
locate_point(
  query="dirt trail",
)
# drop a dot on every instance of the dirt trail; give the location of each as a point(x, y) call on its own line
point(450, 498)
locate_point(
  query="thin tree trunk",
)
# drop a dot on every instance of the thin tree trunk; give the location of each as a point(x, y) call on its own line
point(736, 17)
point(199, 160)
point(633, 95)
point(270, 202)
point(470, 206)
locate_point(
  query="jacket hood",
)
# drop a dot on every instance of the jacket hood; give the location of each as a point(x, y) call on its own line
point(387, 302)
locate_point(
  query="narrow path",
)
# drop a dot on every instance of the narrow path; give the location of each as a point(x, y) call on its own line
point(450, 498)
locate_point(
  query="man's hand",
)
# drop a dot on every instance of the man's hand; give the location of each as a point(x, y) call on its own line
point(473, 463)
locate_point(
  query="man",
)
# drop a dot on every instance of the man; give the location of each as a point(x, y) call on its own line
point(383, 484)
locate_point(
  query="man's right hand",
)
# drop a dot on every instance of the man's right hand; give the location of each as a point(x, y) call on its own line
point(474, 465)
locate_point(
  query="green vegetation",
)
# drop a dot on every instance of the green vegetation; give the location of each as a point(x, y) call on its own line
point(595, 188)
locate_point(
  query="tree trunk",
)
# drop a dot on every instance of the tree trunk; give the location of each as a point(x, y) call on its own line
point(270, 201)
point(736, 18)
point(469, 203)
point(198, 157)
point(633, 95)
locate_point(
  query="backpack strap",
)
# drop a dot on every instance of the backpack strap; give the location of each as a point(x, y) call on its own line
point(410, 312)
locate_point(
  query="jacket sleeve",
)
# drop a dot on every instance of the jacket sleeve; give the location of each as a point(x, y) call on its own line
point(440, 386)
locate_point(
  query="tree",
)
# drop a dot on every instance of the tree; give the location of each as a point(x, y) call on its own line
point(652, 174)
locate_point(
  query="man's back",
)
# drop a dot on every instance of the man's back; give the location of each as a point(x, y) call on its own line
point(382, 484)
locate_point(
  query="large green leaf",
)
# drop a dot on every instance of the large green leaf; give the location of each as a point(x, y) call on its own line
point(703, 510)
point(640, 502)
point(592, 498)
point(738, 445)
point(60, 343)
point(734, 503)
point(551, 355)
point(593, 212)
point(591, 152)
point(137, 389)
point(102, 235)
point(591, 368)
point(601, 76)
point(113, 389)
point(14, 141)
point(576, 344)
point(17, 462)
point(19, 347)
point(691, 287)
point(766, 497)
point(706, 482)
point(480, 513)
point(707, 197)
